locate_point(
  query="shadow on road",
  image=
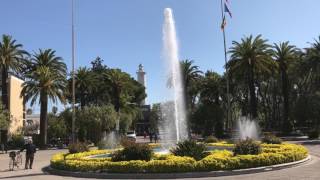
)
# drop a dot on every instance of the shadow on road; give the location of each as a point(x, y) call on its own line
point(23, 175)
point(311, 142)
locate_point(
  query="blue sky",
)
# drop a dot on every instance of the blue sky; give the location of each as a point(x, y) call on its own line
point(128, 32)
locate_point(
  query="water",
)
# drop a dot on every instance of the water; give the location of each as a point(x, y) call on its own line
point(174, 125)
point(247, 128)
point(110, 140)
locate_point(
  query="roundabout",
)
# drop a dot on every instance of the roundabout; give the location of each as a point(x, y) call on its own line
point(215, 163)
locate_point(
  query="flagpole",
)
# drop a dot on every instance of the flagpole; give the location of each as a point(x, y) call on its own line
point(225, 61)
point(73, 78)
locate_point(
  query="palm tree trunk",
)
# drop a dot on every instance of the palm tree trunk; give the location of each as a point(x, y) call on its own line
point(43, 118)
point(4, 78)
point(286, 126)
point(252, 91)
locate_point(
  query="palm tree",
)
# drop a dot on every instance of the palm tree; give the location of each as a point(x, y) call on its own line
point(190, 76)
point(250, 57)
point(285, 54)
point(117, 81)
point(85, 84)
point(311, 64)
point(11, 56)
point(45, 79)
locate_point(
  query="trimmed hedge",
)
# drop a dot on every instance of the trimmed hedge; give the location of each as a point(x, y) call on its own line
point(217, 160)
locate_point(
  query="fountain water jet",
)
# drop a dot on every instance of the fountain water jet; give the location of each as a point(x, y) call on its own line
point(174, 125)
point(247, 128)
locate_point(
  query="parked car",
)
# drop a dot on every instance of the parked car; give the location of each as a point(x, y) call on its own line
point(131, 135)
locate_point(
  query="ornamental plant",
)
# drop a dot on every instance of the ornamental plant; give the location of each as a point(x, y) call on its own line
point(189, 148)
point(211, 139)
point(78, 147)
point(133, 151)
point(271, 139)
point(247, 146)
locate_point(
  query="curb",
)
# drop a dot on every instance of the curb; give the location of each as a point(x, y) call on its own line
point(173, 175)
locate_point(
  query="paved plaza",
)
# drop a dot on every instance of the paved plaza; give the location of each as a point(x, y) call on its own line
point(309, 170)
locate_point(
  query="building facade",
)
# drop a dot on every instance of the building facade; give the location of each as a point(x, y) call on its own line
point(16, 108)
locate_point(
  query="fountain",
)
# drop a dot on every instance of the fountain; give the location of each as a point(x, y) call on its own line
point(174, 125)
point(247, 128)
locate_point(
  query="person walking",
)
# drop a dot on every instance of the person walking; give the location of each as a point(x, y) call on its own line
point(150, 137)
point(30, 151)
point(155, 137)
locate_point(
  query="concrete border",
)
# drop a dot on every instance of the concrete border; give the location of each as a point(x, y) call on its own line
point(173, 175)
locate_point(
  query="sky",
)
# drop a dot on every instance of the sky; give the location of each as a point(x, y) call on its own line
point(126, 33)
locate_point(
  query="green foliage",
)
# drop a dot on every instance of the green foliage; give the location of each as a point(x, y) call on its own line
point(250, 58)
point(56, 127)
point(208, 118)
point(314, 134)
point(17, 141)
point(155, 117)
point(211, 139)
point(271, 139)
point(248, 146)
point(190, 149)
point(92, 121)
point(78, 147)
point(133, 151)
point(4, 118)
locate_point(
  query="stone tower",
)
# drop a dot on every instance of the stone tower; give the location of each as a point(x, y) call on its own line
point(141, 77)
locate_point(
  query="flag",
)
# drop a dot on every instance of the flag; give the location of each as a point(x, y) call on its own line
point(226, 9)
point(224, 22)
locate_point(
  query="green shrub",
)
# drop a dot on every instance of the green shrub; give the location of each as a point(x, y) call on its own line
point(133, 151)
point(17, 141)
point(314, 134)
point(211, 139)
point(190, 149)
point(248, 146)
point(271, 139)
point(78, 147)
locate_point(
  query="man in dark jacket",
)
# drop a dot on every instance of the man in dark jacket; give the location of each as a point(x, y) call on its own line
point(30, 151)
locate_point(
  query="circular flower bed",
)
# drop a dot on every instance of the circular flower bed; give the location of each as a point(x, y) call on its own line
point(215, 160)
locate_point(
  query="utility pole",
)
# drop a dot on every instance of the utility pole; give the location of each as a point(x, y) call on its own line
point(226, 61)
point(73, 77)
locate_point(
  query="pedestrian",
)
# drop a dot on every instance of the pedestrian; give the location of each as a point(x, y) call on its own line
point(144, 134)
point(30, 151)
point(2, 148)
point(155, 137)
point(150, 136)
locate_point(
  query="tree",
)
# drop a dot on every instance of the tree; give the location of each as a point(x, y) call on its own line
point(310, 66)
point(190, 76)
point(56, 127)
point(118, 82)
point(45, 79)
point(93, 121)
point(209, 114)
point(248, 58)
point(155, 117)
point(85, 82)
point(11, 56)
point(4, 120)
point(285, 54)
